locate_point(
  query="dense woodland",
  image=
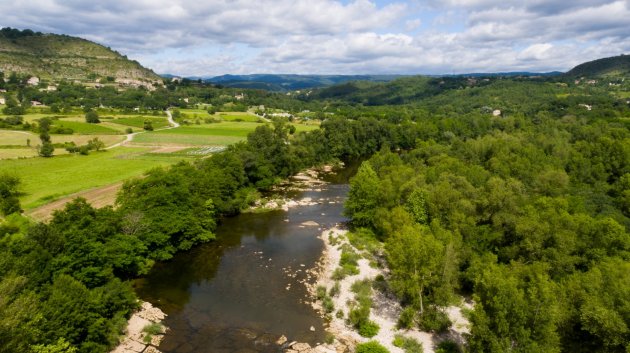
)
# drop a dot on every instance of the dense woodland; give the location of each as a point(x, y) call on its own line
point(527, 213)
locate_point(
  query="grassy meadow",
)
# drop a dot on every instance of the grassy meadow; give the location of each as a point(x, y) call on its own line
point(48, 179)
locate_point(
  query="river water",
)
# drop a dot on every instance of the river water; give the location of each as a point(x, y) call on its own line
point(243, 291)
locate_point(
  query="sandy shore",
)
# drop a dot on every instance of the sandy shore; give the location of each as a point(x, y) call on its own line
point(385, 309)
point(134, 339)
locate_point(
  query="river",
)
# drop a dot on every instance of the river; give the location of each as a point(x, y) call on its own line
point(243, 291)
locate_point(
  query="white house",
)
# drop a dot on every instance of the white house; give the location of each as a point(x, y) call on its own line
point(33, 81)
point(3, 101)
point(496, 112)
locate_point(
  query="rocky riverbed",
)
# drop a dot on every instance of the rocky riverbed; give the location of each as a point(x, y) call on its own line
point(136, 340)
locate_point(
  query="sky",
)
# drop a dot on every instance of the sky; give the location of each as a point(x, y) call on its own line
point(215, 37)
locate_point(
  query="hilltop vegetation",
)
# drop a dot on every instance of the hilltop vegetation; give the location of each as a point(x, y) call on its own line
point(61, 57)
point(284, 83)
point(612, 67)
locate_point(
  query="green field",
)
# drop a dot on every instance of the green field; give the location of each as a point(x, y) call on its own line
point(47, 179)
point(138, 122)
point(85, 128)
point(237, 117)
point(224, 133)
point(17, 138)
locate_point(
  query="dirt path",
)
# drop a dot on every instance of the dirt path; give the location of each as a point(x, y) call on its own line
point(130, 136)
point(98, 197)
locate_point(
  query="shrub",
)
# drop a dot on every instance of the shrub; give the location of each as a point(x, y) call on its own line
point(328, 304)
point(129, 130)
point(148, 126)
point(92, 117)
point(448, 347)
point(321, 292)
point(407, 318)
point(334, 290)
point(368, 329)
point(152, 329)
point(434, 319)
point(358, 315)
point(339, 314)
point(408, 344)
point(371, 347)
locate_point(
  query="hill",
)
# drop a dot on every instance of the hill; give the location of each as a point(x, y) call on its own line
point(282, 83)
point(400, 91)
point(613, 66)
point(56, 57)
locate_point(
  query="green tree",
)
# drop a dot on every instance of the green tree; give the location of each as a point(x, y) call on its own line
point(9, 194)
point(92, 117)
point(415, 257)
point(46, 149)
point(363, 196)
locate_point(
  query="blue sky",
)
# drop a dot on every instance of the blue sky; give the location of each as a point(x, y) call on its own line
point(206, 38)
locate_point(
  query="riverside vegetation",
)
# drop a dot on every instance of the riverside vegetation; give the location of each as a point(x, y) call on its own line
point(526, 212)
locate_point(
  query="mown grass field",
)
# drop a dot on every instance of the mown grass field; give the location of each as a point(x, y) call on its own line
point(237, 117)
point(83, 128)
point(223, 133)
point(48, 179)
point(17, 138)
point(138, 122)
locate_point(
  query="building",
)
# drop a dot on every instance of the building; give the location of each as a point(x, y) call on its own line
point(496, 112)
point(33, 81)
point(3, 101)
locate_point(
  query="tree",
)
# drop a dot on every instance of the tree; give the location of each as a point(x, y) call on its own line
point(92, 117)
point(47, 148)
point(96, 144)
point(9, 192)
point(415, 257)
point(363, 196)
point(148, 126)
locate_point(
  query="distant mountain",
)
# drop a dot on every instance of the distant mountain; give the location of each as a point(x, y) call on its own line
point(613, 67)
point(52, 56)
point(504, 74)
point(282, 82)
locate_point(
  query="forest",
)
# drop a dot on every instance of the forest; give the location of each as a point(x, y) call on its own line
point(527, 212)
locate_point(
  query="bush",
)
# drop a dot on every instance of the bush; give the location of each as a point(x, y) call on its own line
point(328, 304)
point(321, 292)
point(371, 347)
point(407, 318)
point(358, 315)
point(92, 117)
point(448, 347)
point(152, 329)
point(334, 290)
point(129, 130)
point(408, 344)
point(344, 271)
point(368, 329)
point(434, 320)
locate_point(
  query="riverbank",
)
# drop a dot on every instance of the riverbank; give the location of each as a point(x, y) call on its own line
point(144, 331)
point(309, 179)
point(385, 309)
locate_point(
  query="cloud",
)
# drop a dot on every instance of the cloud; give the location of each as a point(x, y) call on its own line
point(144, 25)
point(192, 37)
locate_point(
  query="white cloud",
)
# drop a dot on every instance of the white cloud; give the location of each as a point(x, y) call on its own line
point(192, 37)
